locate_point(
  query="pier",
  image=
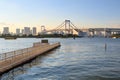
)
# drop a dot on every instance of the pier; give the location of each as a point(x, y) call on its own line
point(13, 59)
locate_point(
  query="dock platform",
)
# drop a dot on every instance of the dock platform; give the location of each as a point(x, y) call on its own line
point(13, 59)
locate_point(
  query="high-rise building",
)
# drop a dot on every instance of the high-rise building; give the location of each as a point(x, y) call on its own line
point(6, 30)
point(17, 31)
point(27, 31)
point(34, 31)
point(22, 31)
point(0, 33)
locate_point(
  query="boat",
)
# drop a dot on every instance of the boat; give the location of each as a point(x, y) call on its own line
point(10, 38)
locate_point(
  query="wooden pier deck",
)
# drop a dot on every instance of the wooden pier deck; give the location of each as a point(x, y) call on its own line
point(13, 59)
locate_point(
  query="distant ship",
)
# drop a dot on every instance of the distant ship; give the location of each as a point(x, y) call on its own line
point(10, 38)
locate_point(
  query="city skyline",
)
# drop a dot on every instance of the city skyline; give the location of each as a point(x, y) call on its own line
point(51, 13)
point(18, 31)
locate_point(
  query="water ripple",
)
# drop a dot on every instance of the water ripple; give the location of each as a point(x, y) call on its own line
point(79, 59)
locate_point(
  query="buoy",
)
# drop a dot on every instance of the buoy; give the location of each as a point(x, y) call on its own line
point(105, 46)
point(73, 36)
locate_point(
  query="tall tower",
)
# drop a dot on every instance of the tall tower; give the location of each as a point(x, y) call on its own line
point(34, 31)
point(6, 30)
point(17, 31)
point(27, 31)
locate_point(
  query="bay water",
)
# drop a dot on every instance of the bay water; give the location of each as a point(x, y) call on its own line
point(76, 59)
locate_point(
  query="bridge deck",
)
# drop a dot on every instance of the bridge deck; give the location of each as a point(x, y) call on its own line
point(13, 59)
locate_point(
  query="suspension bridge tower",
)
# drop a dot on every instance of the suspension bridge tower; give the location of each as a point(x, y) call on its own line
point(43, 30)
point(67, 27)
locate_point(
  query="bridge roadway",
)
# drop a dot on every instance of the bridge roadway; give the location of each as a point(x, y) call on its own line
point(13, 59)
point(61, 30)
point(105, 29)
point(89, 29)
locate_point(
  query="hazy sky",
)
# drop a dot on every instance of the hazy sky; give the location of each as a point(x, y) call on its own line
point(51, 13)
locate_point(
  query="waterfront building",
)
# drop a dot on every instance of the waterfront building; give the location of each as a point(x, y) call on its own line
point(18, 31)
point(22, 32)
point(30, 31)
point(27, 31)
point(0, 33)
point(34, 31)
point(6, 30)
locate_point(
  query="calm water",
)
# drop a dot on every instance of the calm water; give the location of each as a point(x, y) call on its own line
point(79, 59)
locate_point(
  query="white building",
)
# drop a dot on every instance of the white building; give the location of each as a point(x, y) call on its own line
point(22, 31)
point(27, 31)
point(6, 30)
point(34, 31)
point(17, 31)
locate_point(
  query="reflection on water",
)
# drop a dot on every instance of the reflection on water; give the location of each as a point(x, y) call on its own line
point(23, 69)
point(79, 59)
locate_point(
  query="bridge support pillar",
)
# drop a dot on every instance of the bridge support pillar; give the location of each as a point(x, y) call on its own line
point(67, 26)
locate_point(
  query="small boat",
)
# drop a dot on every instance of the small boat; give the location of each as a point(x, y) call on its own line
point(10, 38)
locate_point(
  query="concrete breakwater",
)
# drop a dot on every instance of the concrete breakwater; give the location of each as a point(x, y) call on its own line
point(13, 59)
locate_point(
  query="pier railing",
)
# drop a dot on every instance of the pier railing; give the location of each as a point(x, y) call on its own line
point(37, 46)
point(14, 57)
point(11, 54)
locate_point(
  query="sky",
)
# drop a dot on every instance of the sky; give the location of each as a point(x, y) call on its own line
point(51, 13)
